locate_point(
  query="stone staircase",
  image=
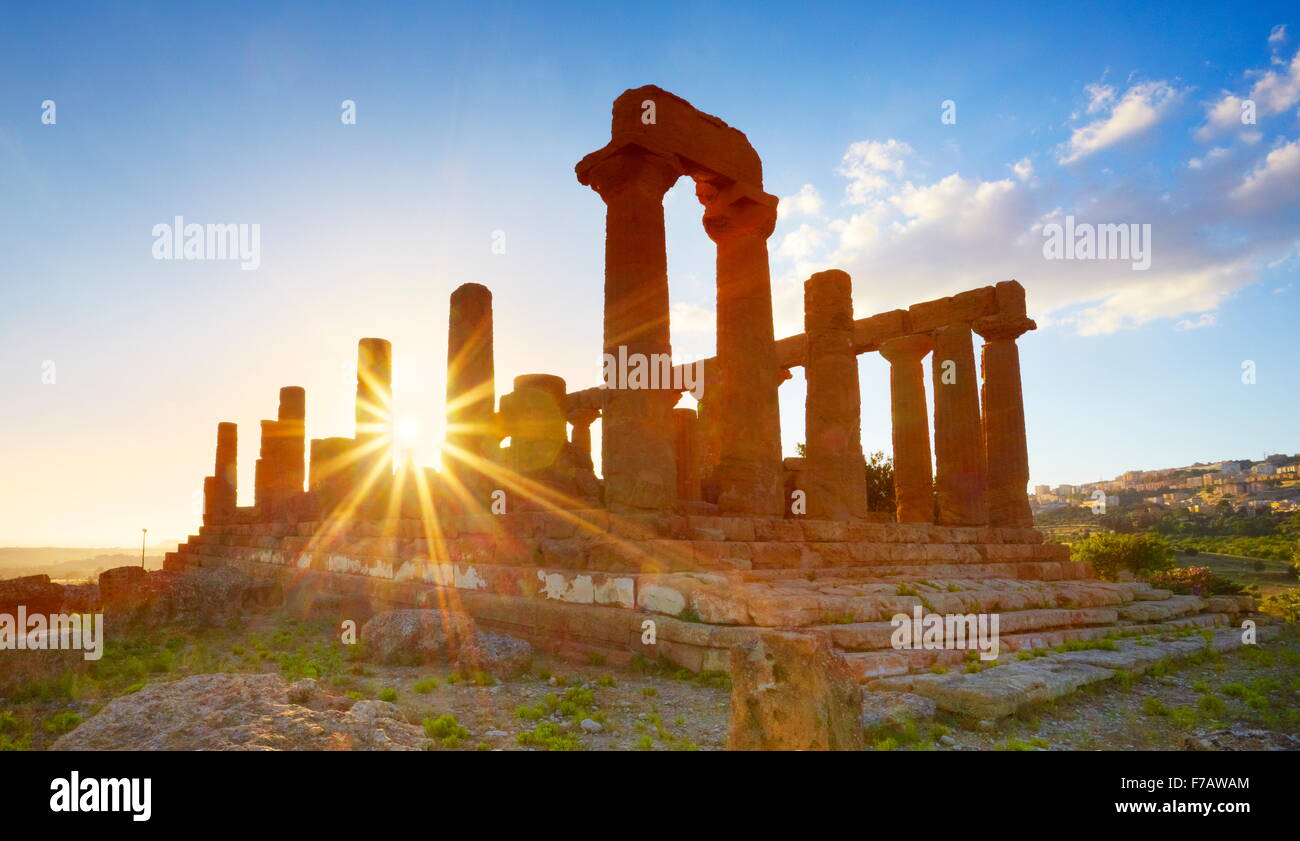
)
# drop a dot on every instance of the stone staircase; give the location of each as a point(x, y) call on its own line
point(583, 581)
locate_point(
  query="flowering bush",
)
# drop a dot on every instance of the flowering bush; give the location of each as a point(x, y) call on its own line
point(1198, 581)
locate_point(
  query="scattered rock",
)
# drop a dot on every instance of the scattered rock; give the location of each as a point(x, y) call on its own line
point(591, 726)
point(415, 637)
point(791, 691)
point(894, 708)
point(241, 712)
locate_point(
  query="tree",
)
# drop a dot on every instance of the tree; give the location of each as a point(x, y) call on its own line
point(1111, 554)
point(880, 482)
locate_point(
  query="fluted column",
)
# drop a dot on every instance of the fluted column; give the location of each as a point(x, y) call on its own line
point(913, 488)
point(1004, 420)
point(225, 473)
point(471, 381)
point(835, 470)
point(749, 471)
point(534, 418)
point(292, 429)
point(637, 457)
point(686, 425)
point(581, 438)
point(374, 407)
point(960, 469)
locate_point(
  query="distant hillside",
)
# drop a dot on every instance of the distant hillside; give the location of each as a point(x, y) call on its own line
point(73, 563)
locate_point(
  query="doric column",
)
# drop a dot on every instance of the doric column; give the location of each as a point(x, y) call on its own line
point(264, 469)
point(913, 488)
point(749, 472)
point(960, 469)
point(332, 470)
point(471, 380)
point(1004, 420)
point(835, 477)
point(534, 419)
point(637, 457)
point(374, 408)
point(226, 472)
point(581, 438)
point(292, 430)
point(685, 423)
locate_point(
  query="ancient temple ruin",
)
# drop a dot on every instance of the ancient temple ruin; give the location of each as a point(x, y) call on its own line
point(690, 526)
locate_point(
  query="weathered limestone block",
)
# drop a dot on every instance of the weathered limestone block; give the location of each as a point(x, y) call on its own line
point(793, 692)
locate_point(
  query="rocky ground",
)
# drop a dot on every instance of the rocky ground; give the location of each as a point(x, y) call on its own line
point(1243, 700)
point(555, 704)
point(268, 681)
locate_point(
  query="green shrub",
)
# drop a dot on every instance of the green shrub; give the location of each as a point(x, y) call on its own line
point(1111, 554)
point(62, 722)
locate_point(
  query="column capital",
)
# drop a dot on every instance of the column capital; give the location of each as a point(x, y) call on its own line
point(583, 417)
point(996, 328)
point(907, 348)
point(732, 212)
point(630, 170)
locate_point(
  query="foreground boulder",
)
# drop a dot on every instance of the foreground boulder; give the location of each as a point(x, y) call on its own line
point(34, 592)
point(792, 691)
point(416, 637)
point(242, 712)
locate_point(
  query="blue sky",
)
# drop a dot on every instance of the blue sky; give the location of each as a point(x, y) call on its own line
point(469, 122)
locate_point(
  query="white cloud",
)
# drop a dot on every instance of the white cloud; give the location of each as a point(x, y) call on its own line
point(1099, 96)
point(1207, 319)
point(1210, 157)
point(800, 243)
point(868, 164)
point(1273, 93)
point(689, 318)
point(1023, 168)
point(807, 202)
point(1273, 182)
point(1141, 107)
point(1278, 34)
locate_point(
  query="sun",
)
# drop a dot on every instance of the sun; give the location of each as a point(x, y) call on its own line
point(406, 430)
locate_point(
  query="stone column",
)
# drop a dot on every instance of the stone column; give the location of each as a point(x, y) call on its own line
point(332, 470)
point(264, 469)
point(374, 408)
point(687, 430)
point(637, 456)
point(534, 417)
point(226, 472)
point(1004, 420)
point(292, 429)
point(835, 477)
point(960, 469)
point(581, 438)
point(749, 472)
point(471, 381)
point(913, 488)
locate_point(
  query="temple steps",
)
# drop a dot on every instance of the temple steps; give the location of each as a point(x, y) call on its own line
point(993, 693)
point(870, 664)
